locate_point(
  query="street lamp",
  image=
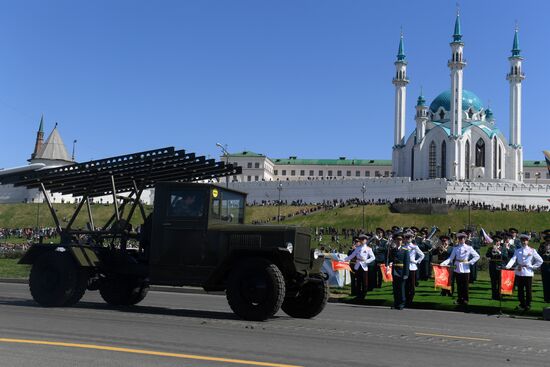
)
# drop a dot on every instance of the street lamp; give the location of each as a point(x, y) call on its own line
point(469, 189)
point(454, 170)
point(520, 173)
point(363, 190)
point(279, 188)
point(226, 154)
point(537, 176)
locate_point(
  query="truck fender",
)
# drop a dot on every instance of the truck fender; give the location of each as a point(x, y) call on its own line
point(84, 256)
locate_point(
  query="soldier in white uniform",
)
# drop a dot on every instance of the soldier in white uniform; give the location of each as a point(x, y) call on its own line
point(364, 256)
point(416, 256)
point(460, 260)
point(527, 259)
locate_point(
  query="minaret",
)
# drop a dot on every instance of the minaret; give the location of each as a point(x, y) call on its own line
point(39, 138)
point(400, 81)
point(515, 77)
point(421, 118)
point(456, 64)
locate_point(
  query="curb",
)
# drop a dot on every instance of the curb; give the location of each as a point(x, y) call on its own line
point(161, 288)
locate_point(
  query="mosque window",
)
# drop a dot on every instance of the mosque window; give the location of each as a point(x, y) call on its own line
point(441, 114)
point(467, 151)
point(443, 159)
point(480, 153)
point(495, 155)
point(471, 113)
point(432, 160)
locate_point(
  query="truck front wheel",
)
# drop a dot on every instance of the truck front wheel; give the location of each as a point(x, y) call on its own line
point(310, 301)
point(56, 280)
point(255, 289)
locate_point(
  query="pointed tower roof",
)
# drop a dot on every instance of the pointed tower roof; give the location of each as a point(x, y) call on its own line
point(41, 127)
point(421, 101)
point(53, 148)
point(515, 48)
point(401, 51)
point(457, 36)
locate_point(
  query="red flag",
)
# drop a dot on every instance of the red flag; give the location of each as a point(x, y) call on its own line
point(507, 281)
point(442, 277)
point(387, 276)
point(340, 265)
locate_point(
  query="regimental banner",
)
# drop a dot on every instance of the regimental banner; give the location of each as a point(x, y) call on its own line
point(507, 281)
point(442, 277)
point(387, 276)
point(340, 265)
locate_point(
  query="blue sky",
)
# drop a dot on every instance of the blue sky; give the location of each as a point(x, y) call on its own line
point(304, 78)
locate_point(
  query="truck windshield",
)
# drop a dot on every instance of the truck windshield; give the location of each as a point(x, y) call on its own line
point(228, 207)
point(188, 203)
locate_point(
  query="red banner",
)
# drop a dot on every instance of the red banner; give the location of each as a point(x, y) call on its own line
point(387, 277)
point(507, 281)
point(340, 265)
point(442, 277)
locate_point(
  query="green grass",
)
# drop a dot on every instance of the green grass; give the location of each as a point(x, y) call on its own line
point(10, 269)
point(480, 298)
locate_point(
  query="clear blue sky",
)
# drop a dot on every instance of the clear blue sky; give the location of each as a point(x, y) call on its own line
point(305, 78)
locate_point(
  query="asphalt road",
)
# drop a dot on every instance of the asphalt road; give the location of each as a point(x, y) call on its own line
point(174, 329)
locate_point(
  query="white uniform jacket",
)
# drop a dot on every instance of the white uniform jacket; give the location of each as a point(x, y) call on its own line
point(415, 255)
point(527, 259)
point(460, 256)
point(364, 256)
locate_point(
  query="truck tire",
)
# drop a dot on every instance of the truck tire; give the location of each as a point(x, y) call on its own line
point(311, 300)
point(255, 289)
point(56, 280)
point(123, 291)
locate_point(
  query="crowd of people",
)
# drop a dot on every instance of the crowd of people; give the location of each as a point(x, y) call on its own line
point(407, 254)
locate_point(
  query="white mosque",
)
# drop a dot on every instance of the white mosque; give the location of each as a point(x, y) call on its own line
point(456, 136)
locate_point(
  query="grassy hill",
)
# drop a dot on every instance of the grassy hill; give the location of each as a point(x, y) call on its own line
point(29, 215)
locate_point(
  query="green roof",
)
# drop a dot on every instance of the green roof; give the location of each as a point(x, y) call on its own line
point(246, 153)
point(515, 48)
point(401, 51)
point(333, 162)
point(534, 163)
point(457, 36)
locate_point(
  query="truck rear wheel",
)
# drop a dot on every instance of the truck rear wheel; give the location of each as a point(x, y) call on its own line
point(255, 289)
point(123, 291)
point(56, 280)
point(311, 300)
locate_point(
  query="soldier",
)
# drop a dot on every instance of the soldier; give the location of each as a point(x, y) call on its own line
point(514, 240)
point(443, 252)
point(364, 256)
point(356, 242)
point(527, 259)
point(425, 245)
point(460, 258)
point(416, 257)
point(544, 252)
point(380, 253)
point(498, 257)
point(398, 259)
point(476, 244)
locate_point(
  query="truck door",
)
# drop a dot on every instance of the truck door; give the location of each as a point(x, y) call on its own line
point(179, 236)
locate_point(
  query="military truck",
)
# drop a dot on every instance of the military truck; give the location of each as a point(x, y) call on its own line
point(195, 236)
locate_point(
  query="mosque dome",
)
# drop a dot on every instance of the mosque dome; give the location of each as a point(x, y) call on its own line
point(469, 99)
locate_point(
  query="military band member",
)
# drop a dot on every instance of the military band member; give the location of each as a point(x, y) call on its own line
point(442, 253)
point(460, 259)
point(380, 253)
point(514, 239)
point(497, 255)
point(527, 260)
point(425, 266)
point(416, 257)
point(476, 244)
point(398, 259)
point(544, 252)
point(364, 256)
point(356, 242)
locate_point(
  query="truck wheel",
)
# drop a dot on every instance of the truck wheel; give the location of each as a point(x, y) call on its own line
point(56, 280)
point(311, 300)
point(255, 289)
point(122, 291)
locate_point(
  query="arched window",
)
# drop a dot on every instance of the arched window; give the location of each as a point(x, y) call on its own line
point(480, 153)
point(467, 148)
point(412, 163)
point(431, 160)
point(441, 114)
point(495, 155)
point(471, 113)
point(443, 159)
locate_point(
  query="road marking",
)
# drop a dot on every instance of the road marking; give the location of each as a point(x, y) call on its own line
point(454, 337)
point(145, 352)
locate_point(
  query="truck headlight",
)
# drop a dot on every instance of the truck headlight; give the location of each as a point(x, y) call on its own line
point(317, 253)
point(289, 247)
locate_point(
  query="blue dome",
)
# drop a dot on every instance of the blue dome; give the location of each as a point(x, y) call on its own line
point(469, 99)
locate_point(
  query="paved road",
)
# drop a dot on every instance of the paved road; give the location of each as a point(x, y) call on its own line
point(173, 329)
